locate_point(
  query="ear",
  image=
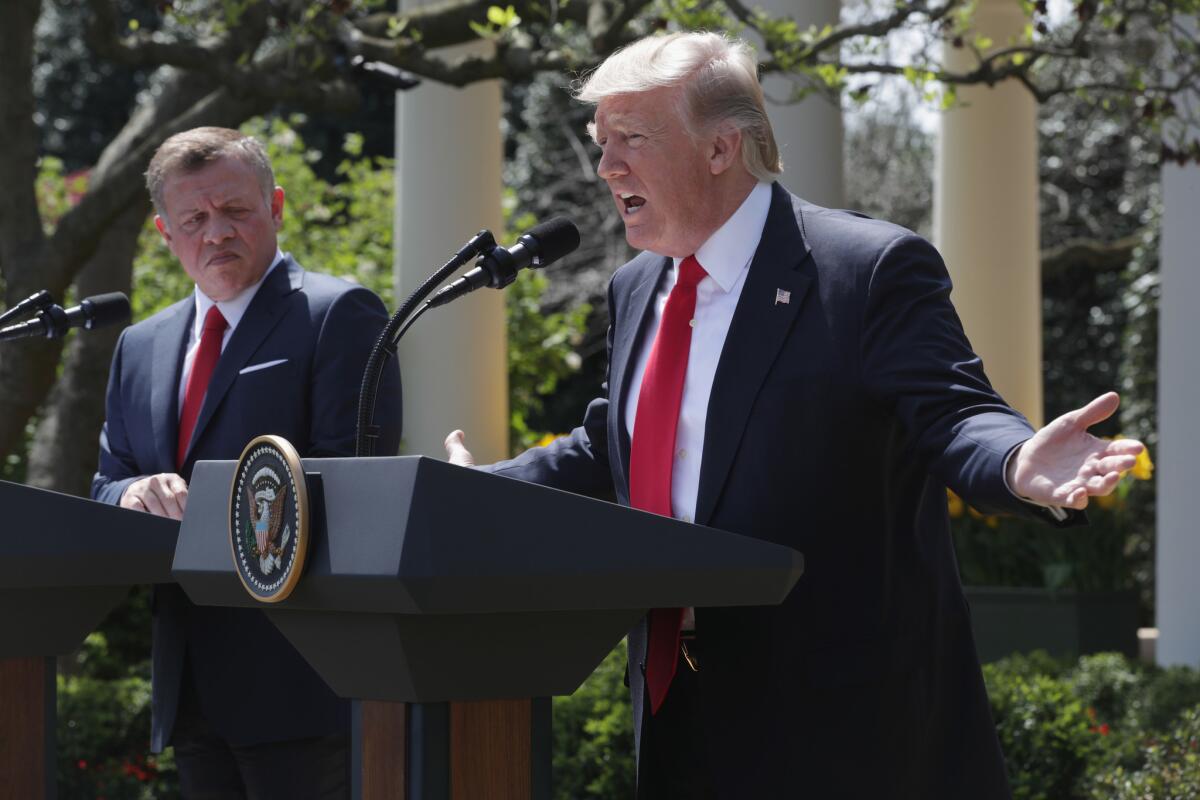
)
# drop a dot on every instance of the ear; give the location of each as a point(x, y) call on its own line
point(725, 149)
point(161, 224)
point(277, 206)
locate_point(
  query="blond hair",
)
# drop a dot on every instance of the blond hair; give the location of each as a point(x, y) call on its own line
point(193, 150)
point(719, 79)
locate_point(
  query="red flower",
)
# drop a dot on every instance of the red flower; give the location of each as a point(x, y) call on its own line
point(81, 764)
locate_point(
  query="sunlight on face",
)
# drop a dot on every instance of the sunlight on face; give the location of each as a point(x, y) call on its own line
point(659, 176)
point(220, 227)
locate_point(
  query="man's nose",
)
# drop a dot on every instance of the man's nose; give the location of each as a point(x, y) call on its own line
point(611, 165)
point(219, 229)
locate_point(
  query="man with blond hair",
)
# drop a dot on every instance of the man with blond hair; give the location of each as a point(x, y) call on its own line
point(260, 346)
point(797, 375)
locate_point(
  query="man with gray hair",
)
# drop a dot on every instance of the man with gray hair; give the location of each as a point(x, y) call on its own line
point(260, 346)
point(798, 375)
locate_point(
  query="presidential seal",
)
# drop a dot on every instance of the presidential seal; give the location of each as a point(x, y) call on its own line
point(268, 518)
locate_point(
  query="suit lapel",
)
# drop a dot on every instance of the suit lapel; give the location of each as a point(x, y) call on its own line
point(261, 317)
point(629, 331)
point(170, 345)
point(771, 299)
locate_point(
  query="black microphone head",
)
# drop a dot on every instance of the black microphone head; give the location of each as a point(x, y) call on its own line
point(551, 240)
point(105, 309)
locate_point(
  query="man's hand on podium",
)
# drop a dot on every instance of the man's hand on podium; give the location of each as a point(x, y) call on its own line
point(164, 495)
point(456, 450)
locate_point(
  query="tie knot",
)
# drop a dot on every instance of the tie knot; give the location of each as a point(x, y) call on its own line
point(213, 320)
point(690, 273)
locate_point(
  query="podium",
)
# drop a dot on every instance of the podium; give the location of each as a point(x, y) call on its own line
point(65, 563)
point(448, 603)
point(453, 603)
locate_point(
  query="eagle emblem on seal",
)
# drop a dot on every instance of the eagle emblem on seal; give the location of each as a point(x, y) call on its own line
point(265, 497)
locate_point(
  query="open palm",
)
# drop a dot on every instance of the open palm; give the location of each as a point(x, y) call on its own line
point(1063, 464)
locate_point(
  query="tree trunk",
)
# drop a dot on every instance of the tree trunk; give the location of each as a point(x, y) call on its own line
point(26, 366)
point(63, 454)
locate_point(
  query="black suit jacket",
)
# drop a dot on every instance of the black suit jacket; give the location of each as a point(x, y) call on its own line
point(835, 423)
point(252, 684)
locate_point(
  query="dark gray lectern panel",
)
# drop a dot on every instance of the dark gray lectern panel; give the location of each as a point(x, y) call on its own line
point(460, 656)
point(52, 539)
point(52, 621)
point(428, 582)
point(65, 562)
point(411, 535)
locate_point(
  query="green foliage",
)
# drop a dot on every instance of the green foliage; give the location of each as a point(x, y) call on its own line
point(1105, 728)
point(499, 21)
point(1044, 733)
point(593, 736)
point(1164, 693)
point(103, 728)
point(541, 351)
point(1107, 683)
point(1012, 551)
point(1169, 768)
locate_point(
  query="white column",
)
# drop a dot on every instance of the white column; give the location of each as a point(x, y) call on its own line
point(985, 219)
point(448, 184)
point(809, 133)
point(1177, 600)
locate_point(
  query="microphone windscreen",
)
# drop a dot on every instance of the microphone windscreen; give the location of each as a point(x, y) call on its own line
point(555, 238)
point(106, 309)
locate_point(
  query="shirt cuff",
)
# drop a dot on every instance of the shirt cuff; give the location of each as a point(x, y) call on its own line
point(1057, 512)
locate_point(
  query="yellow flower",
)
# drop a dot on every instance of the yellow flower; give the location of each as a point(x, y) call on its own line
point(1106, 501)
point(954, 503)
point(992, 521)
point(547, 439)
point(1143, 468)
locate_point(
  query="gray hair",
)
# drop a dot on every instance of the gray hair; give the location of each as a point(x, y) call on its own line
point(719, 77)
point(193, 150)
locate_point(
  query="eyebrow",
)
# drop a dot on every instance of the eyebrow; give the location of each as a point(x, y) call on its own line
point(626, 120)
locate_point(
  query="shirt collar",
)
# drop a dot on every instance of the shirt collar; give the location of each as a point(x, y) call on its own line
point(232, 310)
point(728, 251)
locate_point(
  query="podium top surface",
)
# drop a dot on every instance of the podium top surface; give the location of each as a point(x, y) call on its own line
point(412, 535)
point(48, 539)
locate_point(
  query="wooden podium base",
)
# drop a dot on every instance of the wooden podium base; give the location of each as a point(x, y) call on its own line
point(496, 750)
point(27, 715)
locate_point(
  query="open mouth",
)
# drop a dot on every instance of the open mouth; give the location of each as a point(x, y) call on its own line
point(632, 202)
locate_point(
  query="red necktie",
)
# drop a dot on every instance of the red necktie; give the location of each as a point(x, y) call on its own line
point(652, 454)
point(197, 382)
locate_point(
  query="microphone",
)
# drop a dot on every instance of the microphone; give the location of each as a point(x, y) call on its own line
point(542, 245)
point(53, 322)
point(35, 302)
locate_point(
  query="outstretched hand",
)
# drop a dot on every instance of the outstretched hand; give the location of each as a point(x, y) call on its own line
point(1063, 464)
point(456, 450)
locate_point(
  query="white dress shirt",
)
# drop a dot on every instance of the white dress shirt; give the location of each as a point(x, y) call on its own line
point(232, 310)
point(725, 256)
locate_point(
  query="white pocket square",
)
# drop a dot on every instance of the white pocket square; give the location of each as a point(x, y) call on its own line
point(264, 365)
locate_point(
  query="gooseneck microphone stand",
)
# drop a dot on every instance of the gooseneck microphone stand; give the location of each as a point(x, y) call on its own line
point(385, 346)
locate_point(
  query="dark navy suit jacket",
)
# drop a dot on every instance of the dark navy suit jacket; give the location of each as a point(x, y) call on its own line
point(835, 423)
point(252, 685)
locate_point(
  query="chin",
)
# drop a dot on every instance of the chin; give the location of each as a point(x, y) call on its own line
point(639, 239)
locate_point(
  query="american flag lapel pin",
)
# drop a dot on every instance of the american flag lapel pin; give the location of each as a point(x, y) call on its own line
point(782, 296)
